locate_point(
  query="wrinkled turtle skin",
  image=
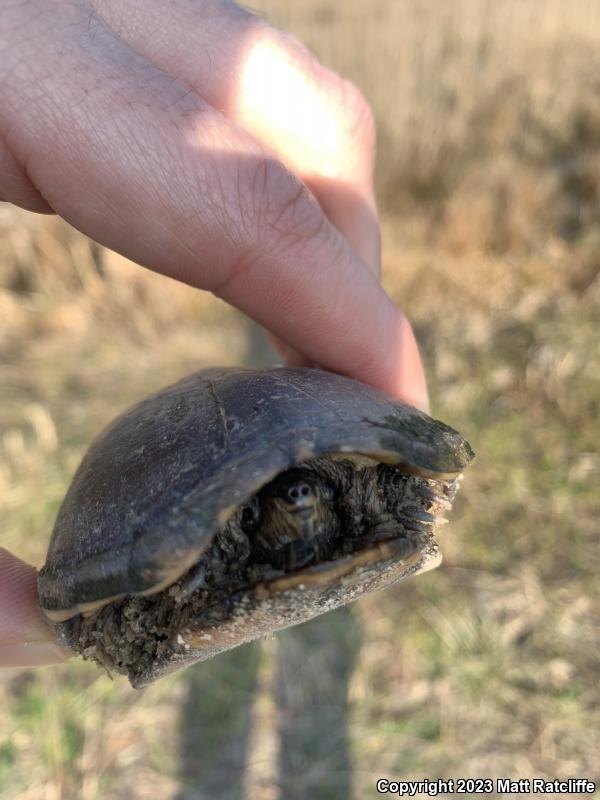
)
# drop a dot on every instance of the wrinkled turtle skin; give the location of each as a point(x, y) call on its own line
point(153, 490)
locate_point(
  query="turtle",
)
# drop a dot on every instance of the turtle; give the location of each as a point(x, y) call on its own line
point(238, 502)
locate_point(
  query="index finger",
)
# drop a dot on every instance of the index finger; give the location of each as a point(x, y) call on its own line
point(149, 168)
point(318, 124)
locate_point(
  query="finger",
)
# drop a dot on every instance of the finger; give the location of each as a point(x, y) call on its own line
point(25, 638)
point(290, 356)
point(295, 359)
point(15, 185)
point(319, 125)
point(153, 171)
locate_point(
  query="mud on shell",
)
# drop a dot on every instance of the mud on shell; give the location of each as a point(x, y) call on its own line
point(238, 502)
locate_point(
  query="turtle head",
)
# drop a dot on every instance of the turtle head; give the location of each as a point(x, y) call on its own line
point(295, 506)
point(296, 495)
point(292, 518)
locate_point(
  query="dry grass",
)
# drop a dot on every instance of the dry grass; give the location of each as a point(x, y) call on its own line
point(487, 666)
point(488, 113)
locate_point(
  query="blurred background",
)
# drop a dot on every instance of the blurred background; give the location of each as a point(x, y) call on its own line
point(489, 183)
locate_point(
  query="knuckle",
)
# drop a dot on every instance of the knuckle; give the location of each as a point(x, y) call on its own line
point(279, 206)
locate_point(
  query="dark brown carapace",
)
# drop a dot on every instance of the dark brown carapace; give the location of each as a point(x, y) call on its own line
point(235, 503)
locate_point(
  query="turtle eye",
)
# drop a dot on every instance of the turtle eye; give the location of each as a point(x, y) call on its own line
point(251, 515)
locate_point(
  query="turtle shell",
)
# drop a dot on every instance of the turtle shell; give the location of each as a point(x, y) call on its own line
point(158, 483)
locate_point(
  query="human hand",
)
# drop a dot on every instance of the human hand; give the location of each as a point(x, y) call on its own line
point(203, 144)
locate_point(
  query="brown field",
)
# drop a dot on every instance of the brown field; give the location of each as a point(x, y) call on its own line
point(489, 180)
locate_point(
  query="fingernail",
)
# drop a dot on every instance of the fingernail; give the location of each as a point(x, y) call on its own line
point(411, 374)
point(32, 654)
point(420, 402)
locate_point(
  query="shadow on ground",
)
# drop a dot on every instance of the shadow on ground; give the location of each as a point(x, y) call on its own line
point(311, 672)
point(308, 687)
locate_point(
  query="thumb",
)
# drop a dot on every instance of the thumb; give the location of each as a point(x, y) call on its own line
point(26, 640)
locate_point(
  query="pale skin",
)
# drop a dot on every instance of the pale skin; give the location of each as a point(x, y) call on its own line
point(201, 143)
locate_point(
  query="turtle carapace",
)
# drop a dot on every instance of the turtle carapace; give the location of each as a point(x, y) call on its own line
point(235, 503)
